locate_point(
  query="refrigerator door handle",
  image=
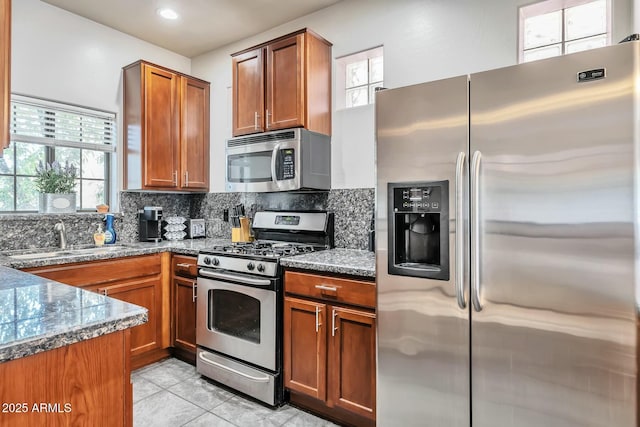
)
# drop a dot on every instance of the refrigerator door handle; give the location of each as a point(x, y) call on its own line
point(475, 232)
point(459, 279)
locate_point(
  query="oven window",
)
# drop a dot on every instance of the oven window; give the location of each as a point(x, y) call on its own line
point(249, 167)
point(236, 314)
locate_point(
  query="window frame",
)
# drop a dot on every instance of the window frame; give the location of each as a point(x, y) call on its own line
point(341, 83)
point(49, 144)
point(549, 6)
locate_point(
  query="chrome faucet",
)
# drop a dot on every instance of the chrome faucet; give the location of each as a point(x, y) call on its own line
point(59, 227)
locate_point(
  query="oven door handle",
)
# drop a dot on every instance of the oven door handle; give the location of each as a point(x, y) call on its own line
point(226, 368)
point(234, 278)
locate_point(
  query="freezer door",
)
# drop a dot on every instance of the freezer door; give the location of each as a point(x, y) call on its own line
point(423, 333)
point(554, 340)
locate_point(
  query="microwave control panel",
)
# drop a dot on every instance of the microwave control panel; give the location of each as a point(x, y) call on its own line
point(286, 164)
point(417, 199)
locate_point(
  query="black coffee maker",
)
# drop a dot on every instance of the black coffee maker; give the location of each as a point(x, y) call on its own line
point(149, 222)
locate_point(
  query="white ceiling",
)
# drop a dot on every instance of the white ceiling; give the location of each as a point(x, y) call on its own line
point(203, 25)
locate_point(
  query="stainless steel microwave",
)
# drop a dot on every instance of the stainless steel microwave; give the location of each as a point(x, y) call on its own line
point(284, 160)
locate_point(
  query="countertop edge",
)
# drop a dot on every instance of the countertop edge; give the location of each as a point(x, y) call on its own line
point(352, 262)
point(29, 347)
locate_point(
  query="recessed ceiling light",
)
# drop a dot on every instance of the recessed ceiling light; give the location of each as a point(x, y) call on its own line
point(167, 13)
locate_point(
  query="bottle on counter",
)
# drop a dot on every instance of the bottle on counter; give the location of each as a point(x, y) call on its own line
point(99, 236)
point(109, 232)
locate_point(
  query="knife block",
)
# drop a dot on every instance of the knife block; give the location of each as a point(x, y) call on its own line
point(242, 233)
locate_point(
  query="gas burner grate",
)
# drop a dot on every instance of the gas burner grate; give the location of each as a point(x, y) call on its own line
point(266, 249)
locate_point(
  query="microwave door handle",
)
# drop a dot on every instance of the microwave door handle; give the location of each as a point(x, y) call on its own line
point(274, 157)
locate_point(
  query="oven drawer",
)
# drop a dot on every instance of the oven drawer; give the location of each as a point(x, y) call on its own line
point(184, 266)
point(347, 291)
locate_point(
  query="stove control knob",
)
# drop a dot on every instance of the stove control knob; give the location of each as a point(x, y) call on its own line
point(251, 266)
point(216, 261)
point(260, 268)
point(207, 260)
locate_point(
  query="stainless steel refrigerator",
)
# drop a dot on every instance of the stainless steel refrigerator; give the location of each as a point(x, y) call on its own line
point(507, 244)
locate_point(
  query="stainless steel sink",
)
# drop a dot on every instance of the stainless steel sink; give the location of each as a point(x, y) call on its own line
point(38, 255)
point(78, 251)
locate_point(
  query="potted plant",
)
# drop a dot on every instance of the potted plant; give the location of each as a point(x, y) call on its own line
point(56, 184)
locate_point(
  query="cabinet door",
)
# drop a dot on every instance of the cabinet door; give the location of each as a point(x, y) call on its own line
point(184, 314)
point(194, 134)
point(248, 93)
point(352, 361)
point(161, 122)
point(285, 92)
point(305, 347)
point(146, 293)
point(5, 71)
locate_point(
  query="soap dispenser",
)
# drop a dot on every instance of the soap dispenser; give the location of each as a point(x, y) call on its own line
point(109, 232)
point(99, 236)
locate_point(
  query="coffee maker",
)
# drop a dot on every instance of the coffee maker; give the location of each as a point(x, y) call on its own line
point(149, 222)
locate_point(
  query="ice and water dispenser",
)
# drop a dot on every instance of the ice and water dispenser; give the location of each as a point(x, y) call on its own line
point(419, 229)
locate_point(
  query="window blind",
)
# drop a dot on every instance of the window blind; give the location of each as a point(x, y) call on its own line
point(45, 122)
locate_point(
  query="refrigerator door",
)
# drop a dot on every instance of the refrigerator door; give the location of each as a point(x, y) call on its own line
point(423, 334)
point(554, 342)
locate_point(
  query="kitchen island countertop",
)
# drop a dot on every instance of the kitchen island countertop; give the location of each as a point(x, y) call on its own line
point(353, 262)
point(38, 314)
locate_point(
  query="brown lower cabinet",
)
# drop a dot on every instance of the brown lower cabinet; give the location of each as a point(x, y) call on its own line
point(330, 347)
point(184, 284)
point(141, 280)
point(86, 383)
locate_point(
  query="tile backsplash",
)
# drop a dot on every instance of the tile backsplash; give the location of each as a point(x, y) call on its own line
point(353, 209)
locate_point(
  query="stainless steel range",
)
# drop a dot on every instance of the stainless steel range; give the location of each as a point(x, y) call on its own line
point(240, 298)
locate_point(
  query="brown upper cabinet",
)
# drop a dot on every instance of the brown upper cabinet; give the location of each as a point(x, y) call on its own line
point(166, 121)
point(283, 83)
point(5, 72)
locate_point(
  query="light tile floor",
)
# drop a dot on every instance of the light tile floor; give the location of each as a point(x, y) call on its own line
point(171, 393)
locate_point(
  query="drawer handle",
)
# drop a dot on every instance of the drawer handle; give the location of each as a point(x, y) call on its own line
point(327, 288)
point(183, 265)
point(194, 286)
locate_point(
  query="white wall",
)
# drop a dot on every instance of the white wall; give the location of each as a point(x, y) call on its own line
point(63, 57)
point(423, 40)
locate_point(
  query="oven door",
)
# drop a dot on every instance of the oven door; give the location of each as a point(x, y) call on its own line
point(264, 167)
point(237, 320)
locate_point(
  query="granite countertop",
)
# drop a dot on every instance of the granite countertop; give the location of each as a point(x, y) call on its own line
point(38, 314)
point(340, 261)
point(79, 254)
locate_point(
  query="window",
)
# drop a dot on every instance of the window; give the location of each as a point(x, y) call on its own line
point(50, 131)
point(358, 77)
point(555, 27)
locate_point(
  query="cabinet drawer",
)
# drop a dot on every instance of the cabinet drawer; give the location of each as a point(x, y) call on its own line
point(100, 272)
point(186, 266)
point(329, 288)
